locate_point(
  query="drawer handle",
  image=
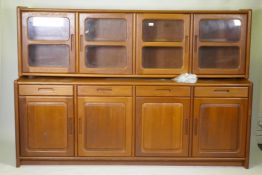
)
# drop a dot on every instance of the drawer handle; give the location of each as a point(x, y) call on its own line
point(46, 90)
point(104, 89)
point(164, 90)
point(222, 90)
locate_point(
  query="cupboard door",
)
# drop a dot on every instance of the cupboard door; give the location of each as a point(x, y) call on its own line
point(219, 127)
point(219, 44)
point(46, 126)
point(105, 43)
point(105, 126)
point(48, 42)
point(162, 44)
point(162, 125)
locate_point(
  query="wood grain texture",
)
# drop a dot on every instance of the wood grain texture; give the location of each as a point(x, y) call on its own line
point(104, 126)
point(46, 126)
point(221, 91)
point(105, 90)
point(162, 126)
point(219, 127)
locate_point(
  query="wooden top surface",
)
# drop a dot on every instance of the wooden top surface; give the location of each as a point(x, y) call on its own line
point(131, 81)
point(131, 11)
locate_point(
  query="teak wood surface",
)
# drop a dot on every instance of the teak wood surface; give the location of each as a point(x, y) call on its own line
point(134, 44)
point(166, 105)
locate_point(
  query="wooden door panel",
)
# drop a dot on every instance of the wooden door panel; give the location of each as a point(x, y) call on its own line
point(219, 44)
point(162, 126)
point(219, 127)
point(105, 43)
point(105, 126)
point(162, 44)
point(46, 126)
point(48, 42)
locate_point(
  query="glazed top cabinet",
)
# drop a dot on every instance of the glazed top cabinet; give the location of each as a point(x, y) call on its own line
point(111, 43)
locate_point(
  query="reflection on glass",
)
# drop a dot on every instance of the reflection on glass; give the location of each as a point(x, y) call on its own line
point(48, 28)
point(162, 57)
point(163, 30)
point(220, 29)
point(105, 57)
point(219, 57)
point(105, 29)
point(43, 55)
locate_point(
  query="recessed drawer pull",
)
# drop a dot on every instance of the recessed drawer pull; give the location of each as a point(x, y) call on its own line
point(164, 90)
point(104, 89)
point(46, 90)
point(221, 90)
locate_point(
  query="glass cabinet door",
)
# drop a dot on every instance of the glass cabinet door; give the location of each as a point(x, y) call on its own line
point(219, 45)
point(162, 44)
point(105, 43)
point(48, 42)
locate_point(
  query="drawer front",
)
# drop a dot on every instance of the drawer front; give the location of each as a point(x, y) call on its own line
point(105, 90)
point(221, 91)
point(45, 90)
point(145, 91)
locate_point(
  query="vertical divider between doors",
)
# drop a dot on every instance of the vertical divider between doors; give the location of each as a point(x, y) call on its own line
point(77, 54)
point(191, 57)
point(76, 120)
point(191, 119)
point(134, 121)
point(134, 37)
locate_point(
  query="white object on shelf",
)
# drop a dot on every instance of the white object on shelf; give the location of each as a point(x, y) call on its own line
point(186, 78)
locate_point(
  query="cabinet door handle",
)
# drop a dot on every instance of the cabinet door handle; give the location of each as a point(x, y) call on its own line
point(186, 43)
point(81, 43)
point(169, 90)
point(195, 126)
point(80, 126)
point(222, 90)
point(72, 41)
point(195, 43)
point(186, 126)
point(70, 126)
point(104, 89)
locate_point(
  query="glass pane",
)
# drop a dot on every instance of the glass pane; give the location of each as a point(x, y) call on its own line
point(49, 55)
point(219, 57)
point(106, 57)
point(105, 29)
point(220, 30)
point(162, 57)
point(163, 30)
point(48, 28)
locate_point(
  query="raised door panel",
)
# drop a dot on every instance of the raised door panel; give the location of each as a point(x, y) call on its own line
point(105, 126)
point(48, 42)
point(162, 44)
point(105, 43)
point(219, 127)
point(162, 126)
point(220, 44)
point(46, 126)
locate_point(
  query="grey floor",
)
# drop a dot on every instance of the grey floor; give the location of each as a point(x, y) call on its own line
point(7, 159)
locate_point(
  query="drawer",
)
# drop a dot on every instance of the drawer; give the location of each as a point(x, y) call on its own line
point(105, 90)
point(162, 91)
point(221, 91)
point(45, 90)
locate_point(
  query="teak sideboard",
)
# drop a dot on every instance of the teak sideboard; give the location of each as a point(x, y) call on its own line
point(94, 87)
